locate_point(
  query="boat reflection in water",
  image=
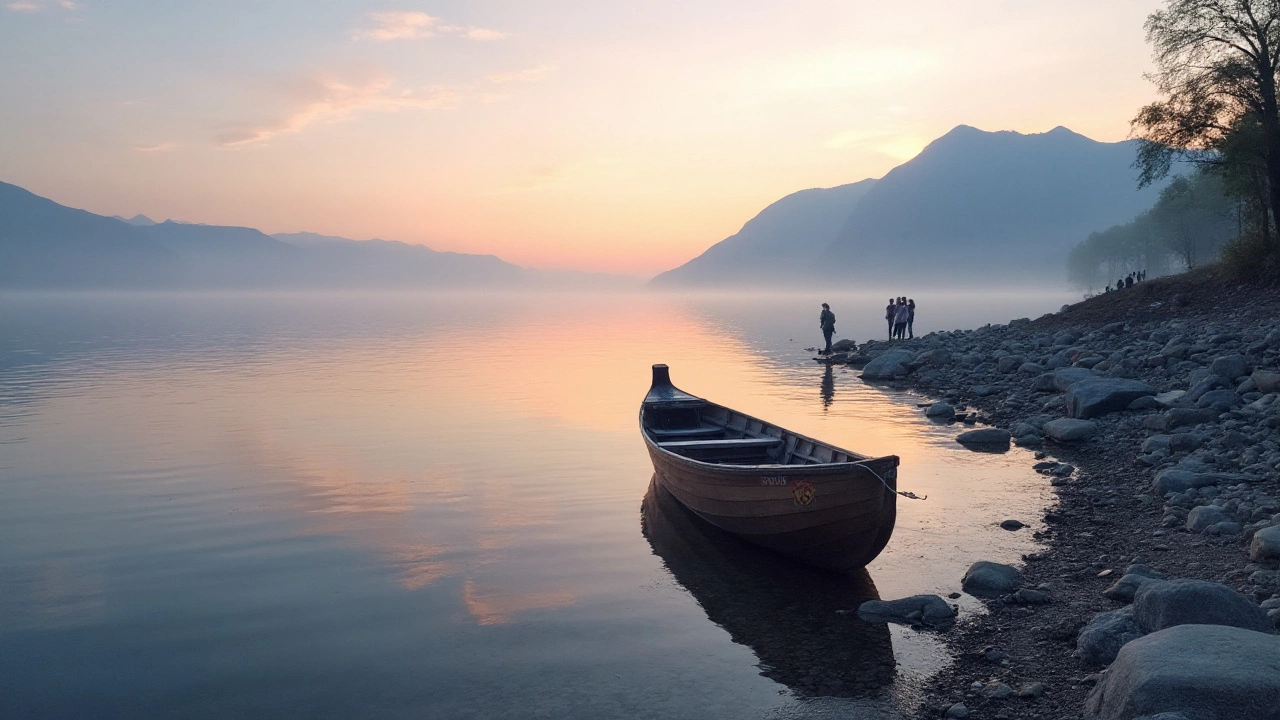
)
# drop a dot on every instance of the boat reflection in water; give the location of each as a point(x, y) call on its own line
point(800, 622)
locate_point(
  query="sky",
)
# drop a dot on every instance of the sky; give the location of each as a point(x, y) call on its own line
point(607, 136)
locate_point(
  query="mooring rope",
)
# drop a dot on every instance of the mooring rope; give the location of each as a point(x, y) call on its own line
point(904, 493)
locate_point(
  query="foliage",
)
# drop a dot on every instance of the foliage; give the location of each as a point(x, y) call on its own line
point(1216, 68)
point(1186, 227)
point(1249, 258)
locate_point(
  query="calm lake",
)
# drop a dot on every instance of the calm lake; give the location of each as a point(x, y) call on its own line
point(434, 506)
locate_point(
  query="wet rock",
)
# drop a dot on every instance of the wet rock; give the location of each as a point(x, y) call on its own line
point(1070, 430)
point(1012, 524)
point(928, 610)
point(844, 345)
point(940, 411)
point(1100, 396)
point(1146, 402)
point(1106, 633)
point(1206, 672)
point(988, 579)
point(1157, 606)
point(957, 711)
point(985, 436)
point(1265, 544)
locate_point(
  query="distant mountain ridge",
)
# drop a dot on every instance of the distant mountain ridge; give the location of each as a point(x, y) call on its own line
point(973, 208)
point(44, 245)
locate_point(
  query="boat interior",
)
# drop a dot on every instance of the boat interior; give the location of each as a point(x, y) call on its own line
point(707, 432)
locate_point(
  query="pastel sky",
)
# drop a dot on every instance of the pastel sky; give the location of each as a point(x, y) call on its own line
point(614, 136)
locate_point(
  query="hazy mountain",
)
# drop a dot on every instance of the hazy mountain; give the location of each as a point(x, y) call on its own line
point(139, 219)
point(974, 207)
point(46, 245)
point(779, 245)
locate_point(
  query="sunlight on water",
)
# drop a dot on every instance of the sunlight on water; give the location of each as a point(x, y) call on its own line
point(429, 506)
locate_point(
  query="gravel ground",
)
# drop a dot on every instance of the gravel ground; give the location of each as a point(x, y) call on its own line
point(1171, 334)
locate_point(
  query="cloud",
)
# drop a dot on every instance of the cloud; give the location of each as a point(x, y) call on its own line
point(331, 99)
point(162, 147)
point(31, 6)
point(413, 25)
point(532, 74)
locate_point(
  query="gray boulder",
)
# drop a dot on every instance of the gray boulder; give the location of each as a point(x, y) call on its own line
point(1100, 396)
point(1105, 634)
point(1124, 589)
point(1200, 518)
point(889, 366)
point(1219, 400)
point(1175, 479)
point(1206, 672)
point(1265, 544)
point(1070, 430)
point(1266, 381)
point(1063, 378)
point(1009, 363)
point(844, 345)
point(988, 579)
point(1157, 606)
point(985, 436)
point(1230, 366)
point(928, 610)
point(1175, 418)
point(941, 411)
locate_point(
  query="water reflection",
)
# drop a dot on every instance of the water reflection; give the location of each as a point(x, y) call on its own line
point(799, 622)
point(828, 387)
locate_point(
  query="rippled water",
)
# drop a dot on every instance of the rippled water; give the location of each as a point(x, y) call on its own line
point(411, 506)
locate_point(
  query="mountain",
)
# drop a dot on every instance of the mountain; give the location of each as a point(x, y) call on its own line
point(49, 246)
point(778, 245)
point(139, 219)
point(973, 208)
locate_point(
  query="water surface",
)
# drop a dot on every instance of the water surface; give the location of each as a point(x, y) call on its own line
point(412, 506)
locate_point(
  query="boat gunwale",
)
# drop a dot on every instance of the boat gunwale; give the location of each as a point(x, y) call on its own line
point(833, 468)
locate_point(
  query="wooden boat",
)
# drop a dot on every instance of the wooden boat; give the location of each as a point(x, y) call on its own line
point(815, 502)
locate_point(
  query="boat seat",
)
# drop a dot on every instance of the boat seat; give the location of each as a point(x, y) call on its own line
point(727, 444)
point(694, 432)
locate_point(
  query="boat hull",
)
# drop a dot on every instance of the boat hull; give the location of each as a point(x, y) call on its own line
point(837, 516)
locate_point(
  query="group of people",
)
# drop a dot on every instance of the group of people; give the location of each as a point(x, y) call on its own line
point(1128, 280)
point(900, 314)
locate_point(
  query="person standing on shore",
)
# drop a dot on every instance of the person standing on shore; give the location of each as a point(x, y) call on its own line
point(911, 317)
point(900, 319)
point(890, 312)
point(827, 321)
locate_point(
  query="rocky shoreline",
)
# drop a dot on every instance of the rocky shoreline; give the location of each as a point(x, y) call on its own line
point(1156, 414)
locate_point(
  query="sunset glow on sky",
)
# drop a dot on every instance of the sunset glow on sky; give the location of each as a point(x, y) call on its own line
point(621, 137)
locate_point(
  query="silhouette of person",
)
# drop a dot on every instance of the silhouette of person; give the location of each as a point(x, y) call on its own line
point(828, 391)
point(827, 321)
point(900, 319)
point(911, 317)
point(1128, 282)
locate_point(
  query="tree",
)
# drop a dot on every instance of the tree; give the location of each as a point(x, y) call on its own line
point(1216, 66)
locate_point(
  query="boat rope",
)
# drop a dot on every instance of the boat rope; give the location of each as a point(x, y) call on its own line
point(904, 493)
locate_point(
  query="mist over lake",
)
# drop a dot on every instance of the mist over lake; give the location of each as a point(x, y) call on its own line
point(429, 505)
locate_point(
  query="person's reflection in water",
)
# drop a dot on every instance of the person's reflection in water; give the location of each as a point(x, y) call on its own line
point(828, 388)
